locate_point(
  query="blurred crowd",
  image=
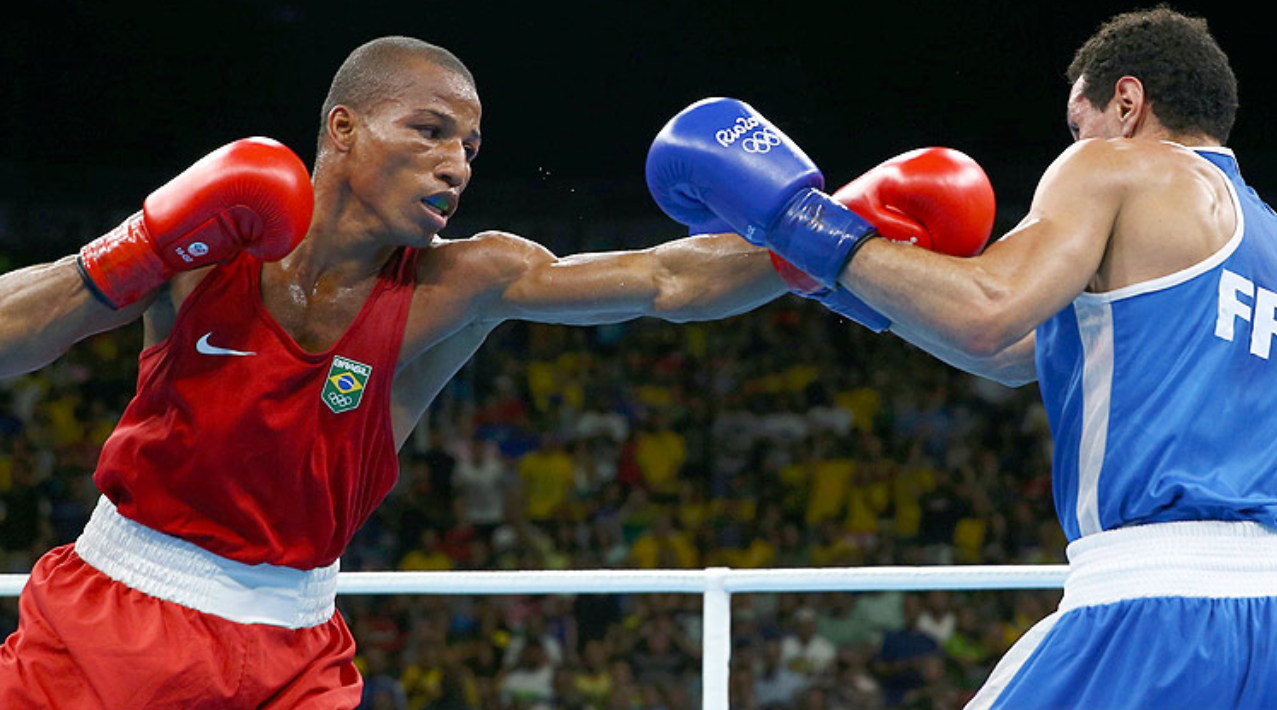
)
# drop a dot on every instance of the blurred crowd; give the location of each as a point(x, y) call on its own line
point(785, 437)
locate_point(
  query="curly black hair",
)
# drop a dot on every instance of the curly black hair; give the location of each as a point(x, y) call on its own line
point(1185, 73)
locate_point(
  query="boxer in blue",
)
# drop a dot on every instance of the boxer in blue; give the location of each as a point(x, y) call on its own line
point(1141, 293)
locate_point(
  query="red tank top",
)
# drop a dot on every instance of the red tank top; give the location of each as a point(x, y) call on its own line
point(242, 443)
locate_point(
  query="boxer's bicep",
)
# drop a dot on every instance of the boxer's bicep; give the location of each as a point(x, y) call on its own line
point(1055, 252)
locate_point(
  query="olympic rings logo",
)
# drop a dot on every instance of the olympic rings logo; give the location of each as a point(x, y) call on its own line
point(340, 400)
point(760, 142)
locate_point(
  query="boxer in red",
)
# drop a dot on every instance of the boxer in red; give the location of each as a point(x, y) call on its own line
point(294, 335)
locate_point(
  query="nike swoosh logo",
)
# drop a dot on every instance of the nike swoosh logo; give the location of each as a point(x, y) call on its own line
point(202, 346)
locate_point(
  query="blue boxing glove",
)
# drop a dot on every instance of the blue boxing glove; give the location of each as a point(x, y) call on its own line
point(720, 159)
point(848, 305)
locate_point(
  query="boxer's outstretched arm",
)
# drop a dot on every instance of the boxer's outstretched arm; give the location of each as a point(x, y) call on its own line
point(703, 277)
point(46, 309)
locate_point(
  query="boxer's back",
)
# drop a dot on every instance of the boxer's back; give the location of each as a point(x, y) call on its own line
point(1158, 390)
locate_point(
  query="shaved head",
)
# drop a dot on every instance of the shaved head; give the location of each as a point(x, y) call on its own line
point(376, 70)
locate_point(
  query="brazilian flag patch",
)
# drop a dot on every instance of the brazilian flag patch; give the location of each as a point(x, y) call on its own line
point(345, 385)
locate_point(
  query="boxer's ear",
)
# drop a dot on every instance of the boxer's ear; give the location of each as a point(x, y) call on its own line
point(1131, 104)
point(341, 126)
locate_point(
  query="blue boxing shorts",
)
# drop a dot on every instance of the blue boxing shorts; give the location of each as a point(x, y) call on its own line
point(1165, 616)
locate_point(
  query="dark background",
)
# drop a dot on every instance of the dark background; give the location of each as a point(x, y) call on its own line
point(103, 101)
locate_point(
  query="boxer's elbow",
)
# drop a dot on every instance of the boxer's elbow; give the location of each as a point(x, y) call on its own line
point(998, 355)
point(982, 338)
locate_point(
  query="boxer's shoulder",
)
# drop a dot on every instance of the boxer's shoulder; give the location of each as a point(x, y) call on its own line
point(484, 261)
point(1175, 211)
point(1164, 181)
point(1133, 164)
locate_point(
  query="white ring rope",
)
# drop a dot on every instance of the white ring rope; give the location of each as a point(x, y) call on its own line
point(696, 581)
point(716, 585)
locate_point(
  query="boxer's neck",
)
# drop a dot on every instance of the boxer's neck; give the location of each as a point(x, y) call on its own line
point(326, 261)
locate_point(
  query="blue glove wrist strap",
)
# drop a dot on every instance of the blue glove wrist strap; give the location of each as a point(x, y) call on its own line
point(818, 235)
point(846, 304)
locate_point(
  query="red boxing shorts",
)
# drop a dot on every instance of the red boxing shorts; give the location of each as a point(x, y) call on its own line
point(87, 640)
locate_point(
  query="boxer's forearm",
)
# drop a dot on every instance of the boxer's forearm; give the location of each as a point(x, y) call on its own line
point(46, 309)
point(713, 276)
point(942, 299)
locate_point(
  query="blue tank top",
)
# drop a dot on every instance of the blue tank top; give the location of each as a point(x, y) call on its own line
point(1161, 395)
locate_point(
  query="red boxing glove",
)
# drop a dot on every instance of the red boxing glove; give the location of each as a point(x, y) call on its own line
point(795, 278)
point(937, 198)
point(252, 195)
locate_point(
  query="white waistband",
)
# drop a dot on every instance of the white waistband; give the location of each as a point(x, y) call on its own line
point(1185, 559)
point(175, 570)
